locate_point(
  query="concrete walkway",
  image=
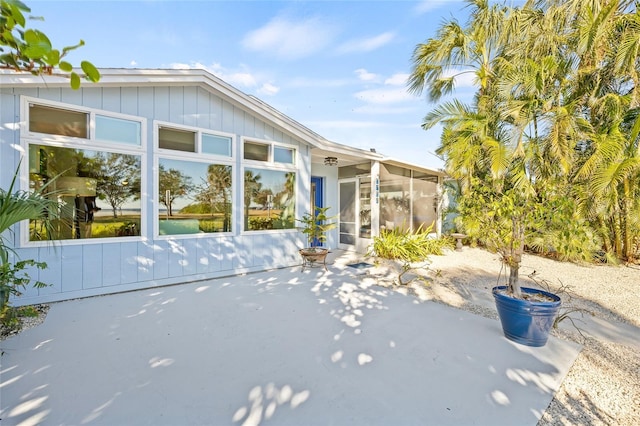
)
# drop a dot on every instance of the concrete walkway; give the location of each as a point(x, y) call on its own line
point(279, 347)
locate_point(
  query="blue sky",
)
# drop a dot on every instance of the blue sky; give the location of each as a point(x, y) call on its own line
point(338, 67)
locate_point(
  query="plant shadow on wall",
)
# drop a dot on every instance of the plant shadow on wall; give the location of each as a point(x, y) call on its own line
point(15, 206)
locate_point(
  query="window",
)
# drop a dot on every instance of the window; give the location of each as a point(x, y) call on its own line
point(117, 130)
point(195, 197)
point(177, 140)
point(283, 155)
point(256, 151)
point(57, 121)
point(269, 199)
point(217, 145)
point(98, 192)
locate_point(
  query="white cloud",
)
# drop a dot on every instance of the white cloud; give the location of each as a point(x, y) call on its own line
point(365, 75)
point(399, 79)
point(133, 63)
point(241, 78)
point(290, 38)
point(384, 96)
point(366, 44)
point(427, 5)
point(268, 89)
point(345, 124)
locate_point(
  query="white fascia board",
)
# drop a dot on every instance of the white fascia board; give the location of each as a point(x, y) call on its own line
point(400, 163)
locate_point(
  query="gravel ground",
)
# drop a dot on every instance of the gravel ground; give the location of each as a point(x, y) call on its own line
point(603, 385)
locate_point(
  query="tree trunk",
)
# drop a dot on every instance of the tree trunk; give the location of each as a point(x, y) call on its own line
point(627, 236)
point(515, 255)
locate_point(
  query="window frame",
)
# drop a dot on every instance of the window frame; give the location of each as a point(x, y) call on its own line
point(268, 165)
point(199, 131)
point(28, 138)
point(198, 157)
point(271, 160)
point(92, 113)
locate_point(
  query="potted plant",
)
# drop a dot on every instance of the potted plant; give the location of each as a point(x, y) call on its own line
point(526, 314)
point(316, 224)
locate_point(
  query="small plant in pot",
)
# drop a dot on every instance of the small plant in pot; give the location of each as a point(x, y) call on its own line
point(315, 227)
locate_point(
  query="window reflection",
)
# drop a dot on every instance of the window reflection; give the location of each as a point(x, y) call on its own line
point(98, 192)
point(194, 197)
point(269, 199)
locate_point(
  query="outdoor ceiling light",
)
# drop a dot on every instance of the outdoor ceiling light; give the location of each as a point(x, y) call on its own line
point(330, 161)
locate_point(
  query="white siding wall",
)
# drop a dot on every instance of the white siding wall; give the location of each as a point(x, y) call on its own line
point(99, 268)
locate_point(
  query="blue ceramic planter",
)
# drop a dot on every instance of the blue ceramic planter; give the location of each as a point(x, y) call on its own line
point(523, 321)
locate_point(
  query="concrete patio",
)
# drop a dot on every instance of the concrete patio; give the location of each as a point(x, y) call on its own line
point(279, 347)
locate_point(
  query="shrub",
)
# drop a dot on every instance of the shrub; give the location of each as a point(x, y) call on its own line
point(12, 281)
point(408, 247)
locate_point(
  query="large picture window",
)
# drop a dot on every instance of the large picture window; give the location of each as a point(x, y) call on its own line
point(98, 193)
point(269, 199)
point(195, 197)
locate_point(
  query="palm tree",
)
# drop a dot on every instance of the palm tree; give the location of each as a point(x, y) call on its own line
point(15, 206)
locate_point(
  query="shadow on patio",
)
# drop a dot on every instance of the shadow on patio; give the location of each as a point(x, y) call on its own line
point(276, 347)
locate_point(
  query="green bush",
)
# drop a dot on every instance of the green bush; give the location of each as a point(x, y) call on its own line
point(407, 246)
point(13, 280)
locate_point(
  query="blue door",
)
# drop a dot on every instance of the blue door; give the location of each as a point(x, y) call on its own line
point(316, 198)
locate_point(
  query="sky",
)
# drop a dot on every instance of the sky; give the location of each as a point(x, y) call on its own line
point(338, 67)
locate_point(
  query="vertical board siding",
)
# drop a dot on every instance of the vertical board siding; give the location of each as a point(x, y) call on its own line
point(190, 112)
point(31, 271)
point(129, 262)
point(129, 100)
point(176, 258)
point(52, 274)
point(190, 257)
point(92, 96)
point(145, 261)
point(111, 264)
point(72, 268)
point(176, 105)
point(72, 97)
point(50, 94)
point(161, 104)
point(112, 99)
point(94, 268)
point(160, 267)
point(9, 112)
point(229, 119)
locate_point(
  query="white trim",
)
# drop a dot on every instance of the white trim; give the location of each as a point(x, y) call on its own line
point(156, 200)
point(28, 138)
point(26, 101)
point(198, 131)
point(270, 163)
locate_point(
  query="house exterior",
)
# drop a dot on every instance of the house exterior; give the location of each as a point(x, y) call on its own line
point(168, 176)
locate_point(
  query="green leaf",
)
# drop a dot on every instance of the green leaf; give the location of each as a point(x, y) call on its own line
point(75, 81)
point(92, 73)
point(65, 50)
point(37, 44)
point(52, 58)
point(65, 66)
